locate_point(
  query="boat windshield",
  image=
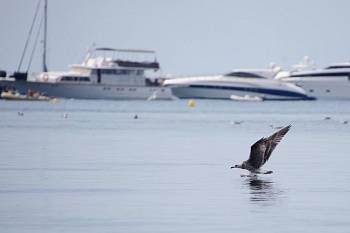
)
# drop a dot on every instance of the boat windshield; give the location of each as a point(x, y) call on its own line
point(243, 75)
point(337, 67)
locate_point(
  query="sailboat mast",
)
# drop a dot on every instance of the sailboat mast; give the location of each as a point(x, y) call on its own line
point(45, 37)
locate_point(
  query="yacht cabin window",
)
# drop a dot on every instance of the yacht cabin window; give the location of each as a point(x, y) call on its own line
point(75, 79)
point(244, 75)
point(338, 67)
point(121, 72)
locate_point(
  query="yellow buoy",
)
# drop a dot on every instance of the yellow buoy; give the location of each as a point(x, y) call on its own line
point(191, 103)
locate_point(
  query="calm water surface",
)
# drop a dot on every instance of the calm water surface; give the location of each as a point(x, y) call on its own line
point(89, 166)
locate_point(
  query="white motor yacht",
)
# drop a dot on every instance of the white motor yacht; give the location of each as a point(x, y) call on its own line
point(255, 83)
point(332, 82)
point(99, 76)
point(105, 73)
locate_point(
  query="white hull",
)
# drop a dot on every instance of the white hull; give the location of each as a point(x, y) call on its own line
point(332, 88)
point(223, 87)
point(91, 91)
point(330, 83)
point(215, 93)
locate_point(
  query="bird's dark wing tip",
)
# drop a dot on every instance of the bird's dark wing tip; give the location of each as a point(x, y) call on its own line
point(284, 130)
point(288, 127)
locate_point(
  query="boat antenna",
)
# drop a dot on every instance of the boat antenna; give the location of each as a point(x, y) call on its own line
point(29, 35)
point(45, 37)
point(89, 52)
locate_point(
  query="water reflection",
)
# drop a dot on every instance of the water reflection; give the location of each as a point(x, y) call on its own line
point(262, 190)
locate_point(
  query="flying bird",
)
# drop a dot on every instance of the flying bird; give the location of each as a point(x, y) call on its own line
point(261, 151)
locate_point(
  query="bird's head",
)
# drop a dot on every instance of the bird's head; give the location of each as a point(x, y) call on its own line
point(242, 166)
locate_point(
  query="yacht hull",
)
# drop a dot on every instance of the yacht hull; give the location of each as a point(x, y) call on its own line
point(332, 88)
point(225, 92)
point(90, 91)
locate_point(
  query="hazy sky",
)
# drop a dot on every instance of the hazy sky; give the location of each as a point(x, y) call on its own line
point(190, 36)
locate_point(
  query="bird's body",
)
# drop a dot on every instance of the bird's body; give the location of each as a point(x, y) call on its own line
point(261, 151)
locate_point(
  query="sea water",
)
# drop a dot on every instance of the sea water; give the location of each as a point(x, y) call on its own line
point(92, 166)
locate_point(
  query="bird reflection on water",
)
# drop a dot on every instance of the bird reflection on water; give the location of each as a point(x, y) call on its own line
point(262, 191)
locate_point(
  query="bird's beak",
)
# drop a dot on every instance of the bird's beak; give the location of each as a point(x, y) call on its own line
point(234, 166)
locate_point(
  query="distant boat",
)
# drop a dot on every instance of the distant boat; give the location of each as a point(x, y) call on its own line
point(99, 77)
point(332, 82)
point(246, 98)
point(259, 83)
point(105, 73)
point(13, 95)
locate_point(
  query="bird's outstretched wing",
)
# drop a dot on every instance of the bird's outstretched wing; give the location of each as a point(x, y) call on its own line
point(261, 151)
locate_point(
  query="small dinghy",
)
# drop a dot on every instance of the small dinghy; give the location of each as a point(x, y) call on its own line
point(14, 95)
point(246, 98)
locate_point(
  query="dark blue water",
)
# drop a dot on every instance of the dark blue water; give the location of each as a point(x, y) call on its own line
point(89, 166)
